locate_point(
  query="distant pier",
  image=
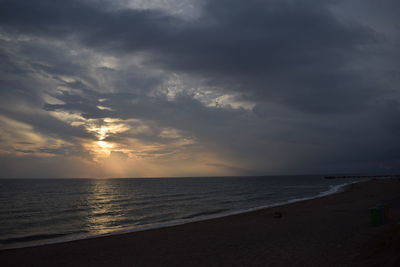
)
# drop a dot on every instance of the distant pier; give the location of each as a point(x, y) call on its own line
point(364, 176)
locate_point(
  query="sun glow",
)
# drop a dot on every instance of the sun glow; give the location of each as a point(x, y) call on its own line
point(104, 144)
point(103, 149)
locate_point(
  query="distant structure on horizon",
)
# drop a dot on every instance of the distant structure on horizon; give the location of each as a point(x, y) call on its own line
point(364, 176)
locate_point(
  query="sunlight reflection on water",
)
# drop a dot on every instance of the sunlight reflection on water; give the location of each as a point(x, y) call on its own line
point(104, 209)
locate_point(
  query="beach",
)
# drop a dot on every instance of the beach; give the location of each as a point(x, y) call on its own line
point(334, 230)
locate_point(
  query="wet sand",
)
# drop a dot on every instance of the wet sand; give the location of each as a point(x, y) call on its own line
point(330, 231)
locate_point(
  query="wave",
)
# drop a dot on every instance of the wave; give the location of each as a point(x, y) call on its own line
point(200, 214)
point(31, 238)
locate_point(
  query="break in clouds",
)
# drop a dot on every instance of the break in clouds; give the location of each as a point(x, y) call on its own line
point(97, 88)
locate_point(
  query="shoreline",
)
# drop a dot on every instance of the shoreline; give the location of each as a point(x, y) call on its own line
point(333, 230)
point(336, 189)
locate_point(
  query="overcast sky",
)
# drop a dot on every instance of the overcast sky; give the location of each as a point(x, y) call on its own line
point(153, 88)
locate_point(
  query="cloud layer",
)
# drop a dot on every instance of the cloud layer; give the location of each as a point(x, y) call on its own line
point(239, 88)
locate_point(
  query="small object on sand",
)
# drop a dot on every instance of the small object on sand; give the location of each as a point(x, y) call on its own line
point(277, 214)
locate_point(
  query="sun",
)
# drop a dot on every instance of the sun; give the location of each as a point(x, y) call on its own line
point(102, 149)
point(104, 145)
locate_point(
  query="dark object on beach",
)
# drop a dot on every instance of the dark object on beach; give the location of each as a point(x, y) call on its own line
point(379, 215)
point(277, 214)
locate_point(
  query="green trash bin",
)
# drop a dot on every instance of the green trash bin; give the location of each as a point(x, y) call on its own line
point(378, 215)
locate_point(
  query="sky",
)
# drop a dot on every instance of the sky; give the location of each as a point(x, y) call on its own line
point(161, 88)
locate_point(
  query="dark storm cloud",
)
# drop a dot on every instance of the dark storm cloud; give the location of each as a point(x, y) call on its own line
point(123, 29)
point(86, 106)
point(21, 95)
point(294, 52)
point(325, 87)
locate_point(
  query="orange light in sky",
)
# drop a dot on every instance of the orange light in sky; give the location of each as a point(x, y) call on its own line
point(104, 144)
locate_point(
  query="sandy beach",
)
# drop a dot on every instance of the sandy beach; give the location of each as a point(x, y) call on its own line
point(330, 231)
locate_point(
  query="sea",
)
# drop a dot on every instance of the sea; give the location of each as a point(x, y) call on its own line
point(42, 211)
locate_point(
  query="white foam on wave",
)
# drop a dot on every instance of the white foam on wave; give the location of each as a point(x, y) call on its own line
point(334, 189)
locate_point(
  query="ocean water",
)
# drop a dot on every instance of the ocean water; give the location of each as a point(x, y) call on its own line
point(39, 211)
